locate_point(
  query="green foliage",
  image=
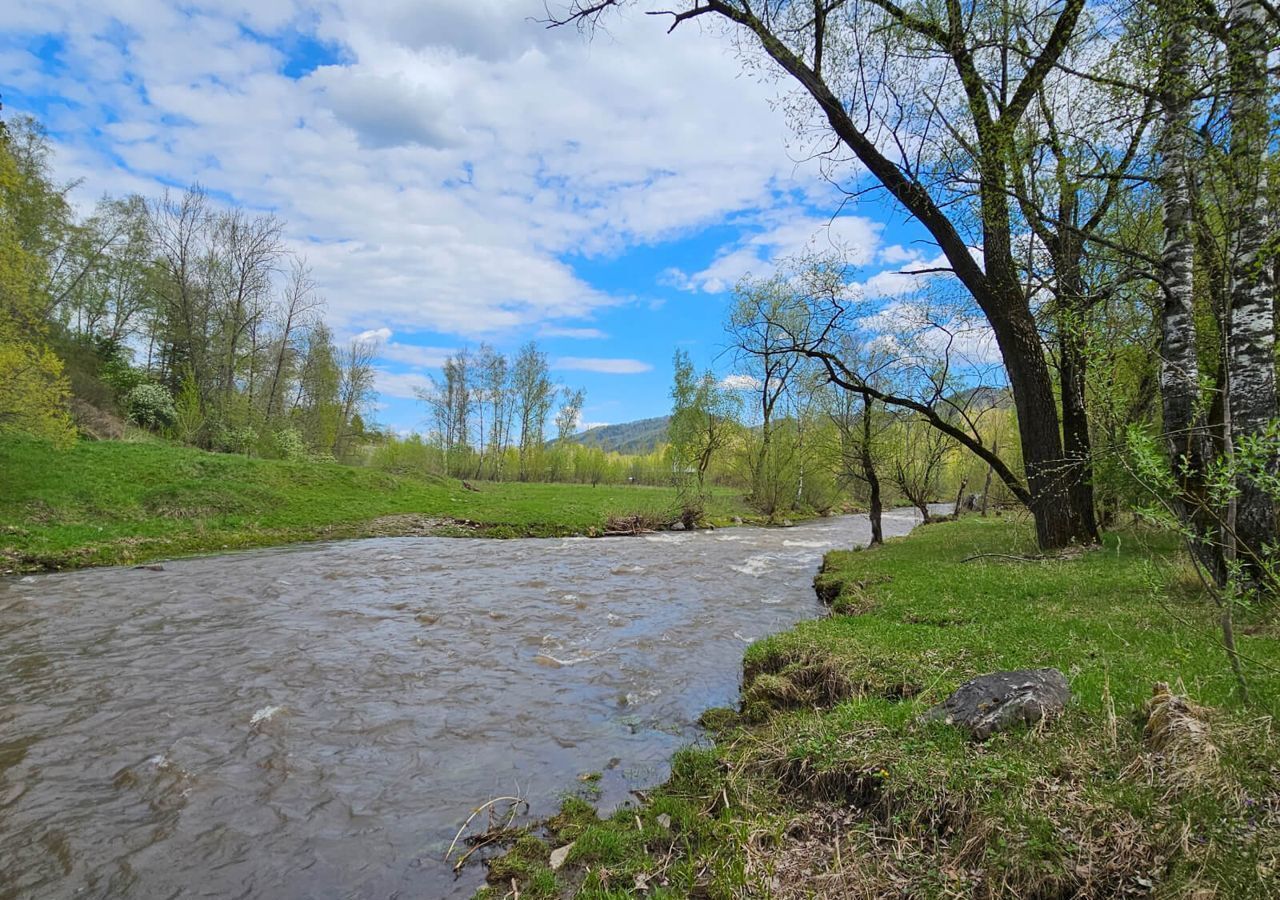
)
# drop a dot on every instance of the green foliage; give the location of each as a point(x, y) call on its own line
point(150, 406)
point(189, 417)
point(287, 443)
point(33, 394)
point(33, 389)
point(703, 419)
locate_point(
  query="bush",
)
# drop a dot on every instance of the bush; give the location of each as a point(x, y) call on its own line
point(150, 406)
point(33, 393)
point(233, 438)
point(288, 444)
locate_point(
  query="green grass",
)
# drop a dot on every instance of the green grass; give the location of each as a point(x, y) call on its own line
point(112, 502)
point(826, 783)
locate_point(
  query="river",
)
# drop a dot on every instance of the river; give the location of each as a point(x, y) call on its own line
point(317, 721)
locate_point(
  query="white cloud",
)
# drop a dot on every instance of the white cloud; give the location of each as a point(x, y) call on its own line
point(911, 277)
point(373, 335)
point(400, 384)
point(605, 366)
point(442, 169)
point(579, 334)
point(740, 383)
point(414, 355)
point(896, 255)
point(787, 233)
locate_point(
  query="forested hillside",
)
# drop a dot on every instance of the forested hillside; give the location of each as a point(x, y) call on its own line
point(640, 436)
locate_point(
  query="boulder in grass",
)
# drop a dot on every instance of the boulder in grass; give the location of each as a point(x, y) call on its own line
point(998, 701)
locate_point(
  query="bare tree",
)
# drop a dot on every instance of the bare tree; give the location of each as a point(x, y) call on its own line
point(764, 356)
point(355, 388)
point(298, 302)
point(917, 465)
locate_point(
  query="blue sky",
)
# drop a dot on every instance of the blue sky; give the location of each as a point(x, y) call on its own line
point(455, 173)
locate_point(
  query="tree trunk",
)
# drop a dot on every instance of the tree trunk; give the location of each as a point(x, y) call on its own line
point(986, 492)
point(1073, 366)
point(1049, 473)
point(955, 512)
point(1251, 333)
point(872, 477)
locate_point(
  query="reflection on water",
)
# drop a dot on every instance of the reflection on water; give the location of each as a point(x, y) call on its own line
point(317, 721)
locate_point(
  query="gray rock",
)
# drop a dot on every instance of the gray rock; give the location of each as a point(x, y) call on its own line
point(996, 702)
point(677, 526)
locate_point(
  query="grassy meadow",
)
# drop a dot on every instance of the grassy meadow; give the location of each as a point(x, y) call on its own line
point(116, 502)
point(825, 783)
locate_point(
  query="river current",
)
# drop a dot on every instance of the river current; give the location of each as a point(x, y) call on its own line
point(318, 721)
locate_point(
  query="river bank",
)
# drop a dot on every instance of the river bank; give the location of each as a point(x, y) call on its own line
point(824, 782)
point(115, 503)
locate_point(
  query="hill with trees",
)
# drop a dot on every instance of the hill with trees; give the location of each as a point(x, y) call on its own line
point(640, 436)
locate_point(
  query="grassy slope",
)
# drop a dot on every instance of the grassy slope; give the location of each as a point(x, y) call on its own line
point(825, 784)
point(115, 502)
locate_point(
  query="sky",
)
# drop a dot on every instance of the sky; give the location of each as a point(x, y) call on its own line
point(455, 172)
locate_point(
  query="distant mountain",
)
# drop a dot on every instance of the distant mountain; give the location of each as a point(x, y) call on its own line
point(628, 437)
point(984, 398)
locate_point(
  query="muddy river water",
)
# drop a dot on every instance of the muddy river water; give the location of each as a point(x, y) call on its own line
point(317, 721)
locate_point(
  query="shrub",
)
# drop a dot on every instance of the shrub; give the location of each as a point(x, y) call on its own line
point(150, 406)
point(288, 444)
point(233, 438)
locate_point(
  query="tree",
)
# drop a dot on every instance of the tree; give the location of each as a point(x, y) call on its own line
point(1250, 351)
point(534, 393)
point(917, 465)
point(452, 400)
point(570, 413)
point(355, 391)
point(760, 331)
point(703, 418)
point(33, 389)
point(987, 66)
point(861, 433)
point(492, 374)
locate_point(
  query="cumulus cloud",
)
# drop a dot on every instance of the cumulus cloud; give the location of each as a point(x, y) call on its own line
point(438, 163)
point(373, 335)
point(600, 365)
point(404, 385)
point(896, 254)
point(911, 277)
point(738, 382)
point(785, 233)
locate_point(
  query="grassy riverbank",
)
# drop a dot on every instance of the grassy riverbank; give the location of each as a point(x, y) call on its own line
point(825, 784)
point(112, 502)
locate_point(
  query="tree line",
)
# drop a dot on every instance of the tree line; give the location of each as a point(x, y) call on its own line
point(489, 414)
point(186, 317)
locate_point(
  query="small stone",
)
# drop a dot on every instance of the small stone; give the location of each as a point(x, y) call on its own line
point(664, 820)
point(998, 701)
point(559, 855)
point(677, 526)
